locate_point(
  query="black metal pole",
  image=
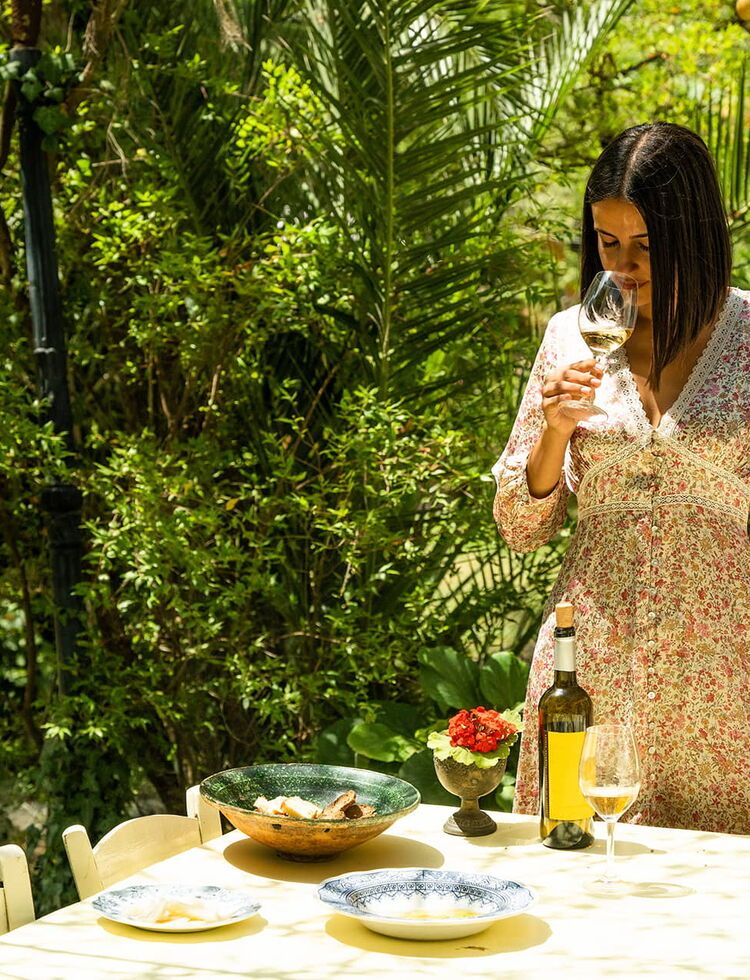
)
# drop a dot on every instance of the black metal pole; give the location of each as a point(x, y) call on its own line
point(61, 500)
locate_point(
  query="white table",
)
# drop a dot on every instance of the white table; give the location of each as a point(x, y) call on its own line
point(687, 913)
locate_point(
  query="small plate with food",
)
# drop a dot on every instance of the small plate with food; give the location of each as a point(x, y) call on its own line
point(425, 903)
point(175, 908)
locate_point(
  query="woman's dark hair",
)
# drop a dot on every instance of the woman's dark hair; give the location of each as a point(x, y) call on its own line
point(666, 171)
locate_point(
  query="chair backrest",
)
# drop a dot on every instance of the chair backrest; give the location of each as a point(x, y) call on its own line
point(127, 848)
point(16, 902)
point(208, 817)
point(135, 844)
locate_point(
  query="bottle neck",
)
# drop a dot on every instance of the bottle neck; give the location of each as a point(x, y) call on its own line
point(565, 655)
point(565, 678)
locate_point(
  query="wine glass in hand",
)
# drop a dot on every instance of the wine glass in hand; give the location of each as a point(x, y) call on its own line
point(610, 778)
point(606, 319)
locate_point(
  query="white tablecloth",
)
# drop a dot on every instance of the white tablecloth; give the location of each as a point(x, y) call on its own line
point(686, 913)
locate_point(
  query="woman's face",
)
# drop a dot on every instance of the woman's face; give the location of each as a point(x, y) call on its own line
point(623, 244)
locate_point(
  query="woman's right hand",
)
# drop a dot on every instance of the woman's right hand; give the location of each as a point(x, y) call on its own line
point(578, 380)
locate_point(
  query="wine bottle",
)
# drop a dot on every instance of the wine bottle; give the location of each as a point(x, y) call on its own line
point(565, 712)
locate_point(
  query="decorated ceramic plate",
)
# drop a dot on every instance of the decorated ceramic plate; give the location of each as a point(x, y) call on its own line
point(175, 908)
point(423, 903)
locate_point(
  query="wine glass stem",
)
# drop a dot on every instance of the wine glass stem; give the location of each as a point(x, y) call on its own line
point(610, 874)
point(601, 361)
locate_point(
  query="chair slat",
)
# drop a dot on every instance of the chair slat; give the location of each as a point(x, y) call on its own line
point(16, 901)
point(208, 817)
point(82, 862)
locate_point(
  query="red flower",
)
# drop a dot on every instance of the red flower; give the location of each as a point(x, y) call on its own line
point(479, 729)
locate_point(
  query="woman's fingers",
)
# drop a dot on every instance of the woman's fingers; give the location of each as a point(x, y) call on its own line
point(580, 377)
point(552, 389)
point(566, 383)
point(589, 365)
point(556, 399)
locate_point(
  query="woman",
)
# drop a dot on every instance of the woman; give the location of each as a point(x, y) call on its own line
point(659, 566)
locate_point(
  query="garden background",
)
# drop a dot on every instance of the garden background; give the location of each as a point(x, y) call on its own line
point(306, 253)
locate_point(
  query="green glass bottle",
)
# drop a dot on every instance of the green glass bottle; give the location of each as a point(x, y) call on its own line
point(565, 712)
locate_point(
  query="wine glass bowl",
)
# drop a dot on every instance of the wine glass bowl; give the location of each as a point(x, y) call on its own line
point(610, 778)
point(606, 319)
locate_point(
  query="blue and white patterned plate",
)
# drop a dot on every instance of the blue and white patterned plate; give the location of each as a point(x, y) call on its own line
point(231, 906)
point(422, 903)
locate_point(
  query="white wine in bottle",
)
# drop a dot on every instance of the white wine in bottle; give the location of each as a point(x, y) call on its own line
point(565, 712)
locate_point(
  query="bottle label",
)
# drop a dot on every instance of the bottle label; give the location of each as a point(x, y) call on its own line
point(566, 801)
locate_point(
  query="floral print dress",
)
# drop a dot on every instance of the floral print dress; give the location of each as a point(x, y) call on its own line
point(658, 570)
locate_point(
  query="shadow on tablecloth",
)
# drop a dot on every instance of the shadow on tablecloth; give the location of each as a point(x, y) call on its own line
point(389, 851)
point(238, 930)
point(507, 936)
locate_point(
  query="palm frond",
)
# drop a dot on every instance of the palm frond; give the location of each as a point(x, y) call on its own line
point(437, 107)
point(722, 117)
point(200, 93)
point(550, 73)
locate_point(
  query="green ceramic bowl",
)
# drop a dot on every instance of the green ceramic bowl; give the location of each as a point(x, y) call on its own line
point(235, 790)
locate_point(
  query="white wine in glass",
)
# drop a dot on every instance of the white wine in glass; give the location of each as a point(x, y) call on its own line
point(606, 320)
point(610, 779)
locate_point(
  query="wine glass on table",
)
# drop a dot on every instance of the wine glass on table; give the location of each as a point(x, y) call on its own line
point(610, 779)
point(606, 320)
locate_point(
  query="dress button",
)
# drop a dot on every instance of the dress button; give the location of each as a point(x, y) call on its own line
point(650, 669)
point(652, 615)
point(652, 643)
point(651, 695)
point(652, 750)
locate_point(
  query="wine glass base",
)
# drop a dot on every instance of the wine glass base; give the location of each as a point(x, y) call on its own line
point(603, 887)
point(582, 409)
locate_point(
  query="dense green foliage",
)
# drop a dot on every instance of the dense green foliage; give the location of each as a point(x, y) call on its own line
point(303, 263)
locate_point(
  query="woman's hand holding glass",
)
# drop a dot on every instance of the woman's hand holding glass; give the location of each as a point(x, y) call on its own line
point(573, 381)
point(606, 319)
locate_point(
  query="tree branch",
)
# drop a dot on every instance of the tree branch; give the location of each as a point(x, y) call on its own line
point(7, 122)
point(26, 22)
point(7, 265)
point(101, 25)
point(656, 56)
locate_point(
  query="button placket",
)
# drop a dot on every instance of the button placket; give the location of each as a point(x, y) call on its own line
point(651, 472)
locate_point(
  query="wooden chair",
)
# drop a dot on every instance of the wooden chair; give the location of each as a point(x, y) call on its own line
point(16, 902)
point(135, 844)
point(208, 817)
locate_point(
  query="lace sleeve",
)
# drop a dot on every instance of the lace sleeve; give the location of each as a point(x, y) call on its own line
point(524, 521)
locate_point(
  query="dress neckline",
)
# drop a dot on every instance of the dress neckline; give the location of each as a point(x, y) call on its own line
point(699, 372)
